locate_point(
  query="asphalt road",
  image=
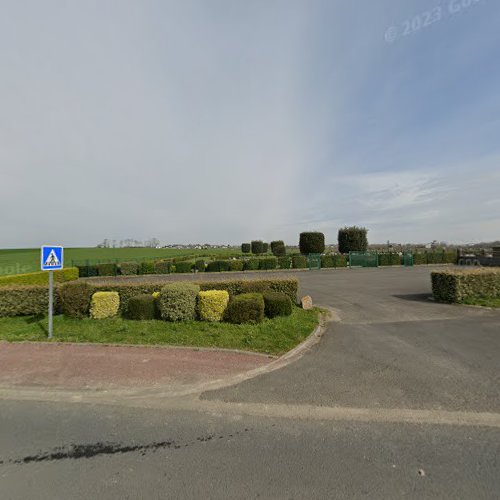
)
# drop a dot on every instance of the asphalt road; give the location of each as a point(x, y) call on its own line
point(400, 399)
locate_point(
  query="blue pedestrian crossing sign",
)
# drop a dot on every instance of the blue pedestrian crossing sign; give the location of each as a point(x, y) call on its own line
point(51, 258)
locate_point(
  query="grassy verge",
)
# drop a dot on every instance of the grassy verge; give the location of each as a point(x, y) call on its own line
point(482, 301)
point(274, 336)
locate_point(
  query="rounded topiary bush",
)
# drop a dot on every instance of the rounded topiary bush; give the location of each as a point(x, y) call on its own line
point(177, 301)
point(142, 307)
point(246, 247)
point(352, 239)
point(278, 248)
point(277, 304)
point(313, 242)
point(75, 299)
point(246, 308)
point(212, 304)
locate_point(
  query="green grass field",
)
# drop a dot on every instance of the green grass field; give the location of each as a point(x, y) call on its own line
point(272, 336)
point(483, 301)
point(28, 260)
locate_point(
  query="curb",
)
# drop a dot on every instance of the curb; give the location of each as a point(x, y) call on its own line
point(128, 396)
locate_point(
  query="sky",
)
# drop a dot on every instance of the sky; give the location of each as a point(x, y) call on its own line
point(223, 121)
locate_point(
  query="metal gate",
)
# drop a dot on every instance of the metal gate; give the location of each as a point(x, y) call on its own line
point(363, 259)
point(314, 261)
point(408, 259)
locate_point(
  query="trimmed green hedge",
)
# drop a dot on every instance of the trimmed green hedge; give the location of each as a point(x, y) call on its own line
point(236, 265)
point(246, 308)
point(251, 264)
point(287, 286)
point(284, 262)
point(299, 261)
point(278, 248)
point(163, 267)
point(268, 263)
point(40, 278)
point(200, 265)
point(183, 267)
point(218, 266)
point(75, 298)
point(142, 307)
point(389, 259)
point(456, 286)
point(246, 247)
point(147, 267)
point(87, 271)
point(108, 269)
point(129, 268)
point(26, 300)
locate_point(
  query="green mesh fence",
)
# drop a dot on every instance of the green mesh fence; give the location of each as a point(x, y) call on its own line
point(363, 259)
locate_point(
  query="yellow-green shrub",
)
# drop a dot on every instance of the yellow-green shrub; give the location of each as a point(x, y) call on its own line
point(104, 305)
point(212, 304)
point(40, 278)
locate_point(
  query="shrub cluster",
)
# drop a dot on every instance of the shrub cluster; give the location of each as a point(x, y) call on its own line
point(177, 301)
point(352, 239)
point(104, 305)
point(331, 260)
point(246, 308)
point(456, 286)
point(277, 304)
point(40, 278)
point(313, 242)
point(163, 267)
point(246, 247)
point(212, 304)
point(143, 307)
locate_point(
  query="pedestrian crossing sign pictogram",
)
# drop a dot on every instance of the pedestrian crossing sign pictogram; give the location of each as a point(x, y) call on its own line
point(51, 258)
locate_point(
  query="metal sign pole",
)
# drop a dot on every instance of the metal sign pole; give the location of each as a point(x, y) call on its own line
point(51, 301)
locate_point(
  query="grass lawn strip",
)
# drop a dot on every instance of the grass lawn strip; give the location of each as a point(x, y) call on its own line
point(275, 336)
point(482, 301)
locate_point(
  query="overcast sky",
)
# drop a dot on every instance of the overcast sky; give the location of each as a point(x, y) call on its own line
point(231, 120)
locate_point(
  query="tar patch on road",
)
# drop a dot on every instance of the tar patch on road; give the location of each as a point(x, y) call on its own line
point(79, 451)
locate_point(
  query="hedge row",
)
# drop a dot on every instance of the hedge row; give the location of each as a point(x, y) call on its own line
point(40, 278)
point(456, 286)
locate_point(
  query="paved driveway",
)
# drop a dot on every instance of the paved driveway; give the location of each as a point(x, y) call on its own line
point(393, 348)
